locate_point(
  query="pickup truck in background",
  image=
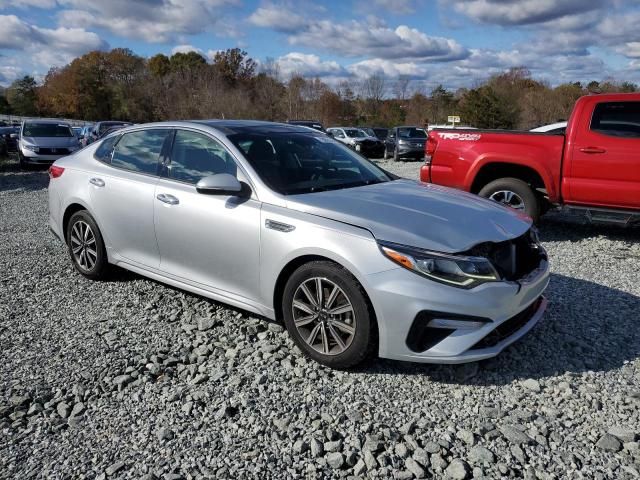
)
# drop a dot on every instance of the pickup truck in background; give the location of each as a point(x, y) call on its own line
point(595, 166)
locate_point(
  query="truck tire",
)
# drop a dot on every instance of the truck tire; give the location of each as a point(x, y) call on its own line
point(514, 193)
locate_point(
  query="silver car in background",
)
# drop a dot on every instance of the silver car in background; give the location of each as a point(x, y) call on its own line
point(45, 141)
point(290, 224)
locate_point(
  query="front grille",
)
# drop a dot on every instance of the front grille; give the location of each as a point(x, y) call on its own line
point(513, 259)
point(508, 327)
point(53, 151)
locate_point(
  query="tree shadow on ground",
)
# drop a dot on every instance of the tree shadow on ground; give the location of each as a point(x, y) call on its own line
point(587, 327)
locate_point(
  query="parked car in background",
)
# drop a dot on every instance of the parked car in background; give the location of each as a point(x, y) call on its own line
point(85, 134)
point(110, 130)
point(10, 136)
point(77, 131)
point(359, 140)
point(405, 143)
point(45, 141)
point(308, 123)
point(353, 260)
point(100, 127)
point(595, 167)
point(557, 128)
point(378, 132)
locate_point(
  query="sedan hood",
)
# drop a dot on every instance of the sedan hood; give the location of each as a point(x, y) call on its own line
point(51, 141)
point(426, 216)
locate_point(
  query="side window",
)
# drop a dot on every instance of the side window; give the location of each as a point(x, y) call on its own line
point(195, 156)
point(104, 150)
point(339, 134)
point(139, 151)
point(617, 119)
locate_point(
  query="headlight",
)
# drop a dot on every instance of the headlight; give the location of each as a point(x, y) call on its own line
point(33, 148)
point(403, 142)
point(454, 270)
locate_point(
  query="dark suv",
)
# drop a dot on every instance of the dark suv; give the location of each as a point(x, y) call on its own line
point(405, 143)
point(10, 136)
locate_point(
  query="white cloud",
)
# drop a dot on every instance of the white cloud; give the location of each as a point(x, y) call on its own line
point(27, 3)
point(388, 68)
point(308, 65)
point(521, 12)
point(354, 38)
point(277, 17)
point(186, 49)
point(47, 47)
point(155, 21)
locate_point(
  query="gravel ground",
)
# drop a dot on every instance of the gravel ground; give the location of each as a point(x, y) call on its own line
point(132, 379)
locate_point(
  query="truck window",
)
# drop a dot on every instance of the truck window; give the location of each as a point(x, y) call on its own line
point(617, 119)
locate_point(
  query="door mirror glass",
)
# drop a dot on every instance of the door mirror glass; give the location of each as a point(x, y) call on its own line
point(219, 184)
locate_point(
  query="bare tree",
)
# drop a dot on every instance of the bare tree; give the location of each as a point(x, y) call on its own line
point(401, 87)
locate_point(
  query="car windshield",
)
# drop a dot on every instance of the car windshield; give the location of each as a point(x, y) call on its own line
point(293, 163)
point(411, 132)
point(47, 130)
point(354, 132)
point(369, 131)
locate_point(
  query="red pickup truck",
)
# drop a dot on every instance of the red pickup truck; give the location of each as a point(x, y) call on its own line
point(595, 166)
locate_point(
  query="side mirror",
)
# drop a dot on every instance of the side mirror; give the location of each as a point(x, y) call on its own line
point(219, 184)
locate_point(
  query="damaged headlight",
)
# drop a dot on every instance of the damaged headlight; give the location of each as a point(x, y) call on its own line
point(455, 270)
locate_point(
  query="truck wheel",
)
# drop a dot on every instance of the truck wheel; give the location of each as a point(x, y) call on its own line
point(513, 193)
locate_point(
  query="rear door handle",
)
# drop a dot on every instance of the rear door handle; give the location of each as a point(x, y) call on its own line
point(168, 199)
point(98, 182)
point(592, 150)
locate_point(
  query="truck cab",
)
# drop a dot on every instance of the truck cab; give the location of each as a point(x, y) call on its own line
point(595, 166)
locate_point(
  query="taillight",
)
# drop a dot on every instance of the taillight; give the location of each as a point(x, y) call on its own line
point(430, 145)
point(55, 171)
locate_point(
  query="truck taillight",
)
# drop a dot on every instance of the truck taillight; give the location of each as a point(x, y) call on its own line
point(430, 145)
point(55, 171)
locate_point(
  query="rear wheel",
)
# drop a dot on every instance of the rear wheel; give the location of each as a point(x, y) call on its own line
point(396, 155)
point(327, 315)
point(86, 246)
point(513, 193)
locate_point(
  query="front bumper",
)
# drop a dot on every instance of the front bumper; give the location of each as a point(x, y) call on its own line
point(508, 309)
point(29, 156)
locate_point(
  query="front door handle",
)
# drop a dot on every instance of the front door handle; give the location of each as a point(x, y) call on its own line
point(98, 182)
point(168, 199)
point(592, 150)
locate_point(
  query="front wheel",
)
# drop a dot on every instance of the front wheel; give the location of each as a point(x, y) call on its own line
point(513, 193)
point(86, 246)
point(327, 315)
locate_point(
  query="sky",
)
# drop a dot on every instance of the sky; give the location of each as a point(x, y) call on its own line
point(456, 43)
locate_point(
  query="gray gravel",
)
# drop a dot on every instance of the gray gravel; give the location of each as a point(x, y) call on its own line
point(132, 379)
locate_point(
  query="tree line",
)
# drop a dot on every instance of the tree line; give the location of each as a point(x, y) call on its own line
point(121, 85)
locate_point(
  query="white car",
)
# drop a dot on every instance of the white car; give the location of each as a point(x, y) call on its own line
point(558, 127)
point(45, 141)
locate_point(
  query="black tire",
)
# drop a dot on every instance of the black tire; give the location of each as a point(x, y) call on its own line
point(99, 269)
point(396, 155)
point(363, 341)
point(23, 164)
point(520, 188)
point(385, 155)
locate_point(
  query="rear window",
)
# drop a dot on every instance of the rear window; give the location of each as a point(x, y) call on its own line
point(412, 133)
point(617, 119)
point(46, 130)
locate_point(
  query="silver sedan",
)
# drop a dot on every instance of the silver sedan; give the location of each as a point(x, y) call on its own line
point(292, 225)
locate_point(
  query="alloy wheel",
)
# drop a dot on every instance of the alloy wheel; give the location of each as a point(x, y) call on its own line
point(324, 316)
point(508, 198)
point(83, 245)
